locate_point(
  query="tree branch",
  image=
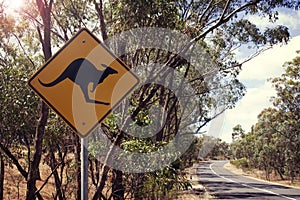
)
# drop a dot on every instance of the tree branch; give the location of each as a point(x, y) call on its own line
point(24, 51)
point(47, 179)
point(205, 11)
point(99, 9)
point(224, 19)
point(225, 10)
point(14, 160)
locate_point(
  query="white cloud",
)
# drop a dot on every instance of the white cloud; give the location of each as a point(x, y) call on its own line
point(287, 17)
point(247, 110)
point(251, 105)
point(267, 65)
point(290, 19)
point(256, 72)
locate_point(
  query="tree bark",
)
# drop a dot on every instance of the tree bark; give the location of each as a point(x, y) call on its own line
point(98, 193)
point(78, 166)
point(53, 167)
point(99, 9)
point(2, 173)
point(45, 12)
point(14, 160)
point(34, 164)
point(118, 187)
point(278, 170)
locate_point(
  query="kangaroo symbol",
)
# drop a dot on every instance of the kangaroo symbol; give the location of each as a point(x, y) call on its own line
point(83, 72)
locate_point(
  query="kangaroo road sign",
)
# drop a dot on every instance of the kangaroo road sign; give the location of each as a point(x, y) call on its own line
point(83, 82)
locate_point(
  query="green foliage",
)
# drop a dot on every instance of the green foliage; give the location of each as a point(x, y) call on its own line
point(219, 27)
point(274, 142)
point(17, 102)
point(142, 145)
point(240, 163)
point(163, 183)
point(160, 183)
point(127, 14)
point(212, 148)
point(237, 132)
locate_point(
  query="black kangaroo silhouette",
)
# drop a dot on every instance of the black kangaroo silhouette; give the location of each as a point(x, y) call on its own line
point(82, 72)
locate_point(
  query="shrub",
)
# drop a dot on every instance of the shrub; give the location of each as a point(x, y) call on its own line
point(240, 163)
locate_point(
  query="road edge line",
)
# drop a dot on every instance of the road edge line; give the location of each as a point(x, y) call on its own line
point(259, 179)
point(246, 185)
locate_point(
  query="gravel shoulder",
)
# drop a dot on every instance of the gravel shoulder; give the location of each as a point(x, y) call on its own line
point(198, 191)
point(253, 175)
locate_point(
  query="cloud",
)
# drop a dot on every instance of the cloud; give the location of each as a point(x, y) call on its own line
point(269, 63)
point(287, 17)
point(247, 110)
point(259, 91)
point(255, 74)
point(290, 19)
point(252, 104)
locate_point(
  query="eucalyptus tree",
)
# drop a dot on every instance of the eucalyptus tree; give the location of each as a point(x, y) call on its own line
point(219, 27)
point(274, 139)
point(18, 104)
point(270, 145)
point(287, 98)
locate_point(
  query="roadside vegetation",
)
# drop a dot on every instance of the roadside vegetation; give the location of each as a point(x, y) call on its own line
point(40, 155)
point(273, 145)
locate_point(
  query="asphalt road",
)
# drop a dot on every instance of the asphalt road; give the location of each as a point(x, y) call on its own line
point(223, 184)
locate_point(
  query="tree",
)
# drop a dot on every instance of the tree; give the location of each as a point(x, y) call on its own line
point(237, 132)
point(44, 8)
point(18, 104)
point(210, 24)
point(212, 148)
point(287, 88)
point(198, 20)
point(273, 143)
point(287, 98)
point(269, 145)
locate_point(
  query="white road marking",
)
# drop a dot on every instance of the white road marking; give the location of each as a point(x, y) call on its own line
point(246, 185)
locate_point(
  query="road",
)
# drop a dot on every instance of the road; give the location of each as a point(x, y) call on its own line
point(223, 184)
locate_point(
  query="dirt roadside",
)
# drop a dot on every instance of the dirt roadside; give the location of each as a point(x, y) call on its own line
point(198, 191)
point(258, 176)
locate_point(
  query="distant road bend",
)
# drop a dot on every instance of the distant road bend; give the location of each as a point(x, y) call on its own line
point(223, 184)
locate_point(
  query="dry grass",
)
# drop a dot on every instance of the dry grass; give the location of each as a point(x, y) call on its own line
point(15, 184)
point(257, 174)
point(191, 197)
point(198, 192)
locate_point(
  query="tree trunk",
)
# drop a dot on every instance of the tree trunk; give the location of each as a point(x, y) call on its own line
point(98, 193)
point(78, 166)
point(280, 173)
point(105, 168)
point(99, 9)
point(53, 164)
point(45, 12)
point(34, 164)
point(2, 173)
point(15, 161)
point(118, 187)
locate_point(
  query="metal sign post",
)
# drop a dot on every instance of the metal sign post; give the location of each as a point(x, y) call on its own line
point(63, 81)
point(84, 168)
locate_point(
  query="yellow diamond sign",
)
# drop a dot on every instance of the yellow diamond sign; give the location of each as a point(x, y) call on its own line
point(83, 82)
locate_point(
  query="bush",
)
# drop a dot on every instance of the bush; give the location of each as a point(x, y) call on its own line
point(240, 163)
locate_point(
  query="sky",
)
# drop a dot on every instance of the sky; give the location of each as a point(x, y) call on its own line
point(255, 75)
